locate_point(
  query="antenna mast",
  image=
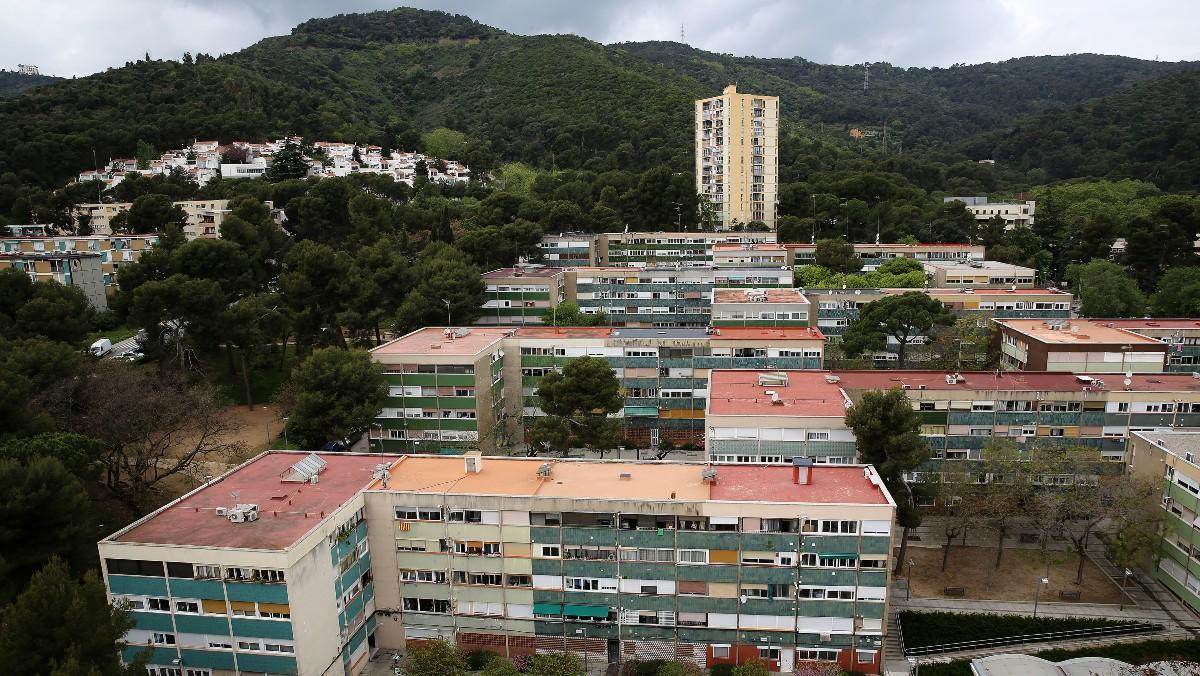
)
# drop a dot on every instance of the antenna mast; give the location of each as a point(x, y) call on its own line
point(682, 35)
point(866, 75)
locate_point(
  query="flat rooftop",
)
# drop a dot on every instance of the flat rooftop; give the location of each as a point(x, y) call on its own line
point(734, 247)
point(1177, 443)
point(1017, 381)
point(980, 265)
point(1076, 331)
point(805, 394)
point(650, 334)
point(563, 332)
point(871, 247)
point(467, 341)
point(1177, 323)
point(767, 333)
point(746, 295)
point(46, 255)
point(652, 481)
point(506, 273)
point(286, 510)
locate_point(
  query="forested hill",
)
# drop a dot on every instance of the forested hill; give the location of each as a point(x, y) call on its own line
point(551, 101)
point(1148, 132)
point(13, 83)
point(928, 106)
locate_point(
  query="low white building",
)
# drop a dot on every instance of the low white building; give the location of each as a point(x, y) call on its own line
point(1013, 213)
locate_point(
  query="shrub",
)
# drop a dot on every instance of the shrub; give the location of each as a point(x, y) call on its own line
point(922, 629)
point(722, 670)
point(478, 659)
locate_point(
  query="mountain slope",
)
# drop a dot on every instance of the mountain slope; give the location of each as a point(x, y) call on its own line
point(13, 83)
point(1148, 131)
point(552, 101)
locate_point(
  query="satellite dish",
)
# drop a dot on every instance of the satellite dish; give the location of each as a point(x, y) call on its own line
point(1128, 382)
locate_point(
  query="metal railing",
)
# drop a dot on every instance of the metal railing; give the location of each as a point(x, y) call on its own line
point(1072, 634)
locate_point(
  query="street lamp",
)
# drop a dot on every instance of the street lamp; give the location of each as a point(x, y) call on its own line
point(285, 441)
point(1124, 580)
point(447, 303)
point(908, 592)
point(1038, 593)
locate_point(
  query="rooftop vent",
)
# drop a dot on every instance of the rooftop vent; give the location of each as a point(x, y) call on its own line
point(544, 470)
point(773, 379)
point(626, 476)
point(831, 378)
point(306, 470)
point(242, 513)
point(954, 378)
point(382, 473)
point(775, 400)
point(801, 471)
point(709, 475)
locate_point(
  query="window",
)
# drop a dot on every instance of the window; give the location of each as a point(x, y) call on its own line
point(693, 556)
point(520, 581)
point(220, 643)
point(162, 605)
point(767, 653)
point(207, 572)
point(817, 654)
point(550, 551)
point(161, 638)
point(249, 645)
point(415, 514)
point(427, 605)
point(278, 648)
point(187, 607)
point(720, 651)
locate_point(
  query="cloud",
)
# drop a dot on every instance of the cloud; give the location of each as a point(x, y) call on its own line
point(73, 37)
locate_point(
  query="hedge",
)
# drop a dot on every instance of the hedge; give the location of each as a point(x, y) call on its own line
point(923, 629)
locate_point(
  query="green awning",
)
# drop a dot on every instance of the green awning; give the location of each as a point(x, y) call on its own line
point(600, 612)
point(547, 609)
point(838, 555)
point(641, 411)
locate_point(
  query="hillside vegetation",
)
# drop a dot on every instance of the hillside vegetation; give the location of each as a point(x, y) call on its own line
point(567, 102)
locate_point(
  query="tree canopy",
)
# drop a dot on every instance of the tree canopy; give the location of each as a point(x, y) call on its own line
point(898, 320)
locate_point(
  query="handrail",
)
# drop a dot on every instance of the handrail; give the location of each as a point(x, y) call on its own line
point(1029, 638)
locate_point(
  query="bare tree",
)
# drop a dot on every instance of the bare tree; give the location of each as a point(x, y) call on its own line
point(152, 428)
point(1115, 499)
point(1004, 491)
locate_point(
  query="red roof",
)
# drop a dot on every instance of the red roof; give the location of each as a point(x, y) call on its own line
point(767, 333)
point(506, 273)
point(806, 393)
point(564, 331)
point(1179, 323)
point(286, 510)
point(1014, 381)
point(964, 245)
point(772, 294)
point(827, 485)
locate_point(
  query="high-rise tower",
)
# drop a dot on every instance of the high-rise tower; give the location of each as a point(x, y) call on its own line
point(737, 156)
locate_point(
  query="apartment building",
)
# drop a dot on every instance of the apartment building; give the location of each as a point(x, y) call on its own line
point(80, 270)
point(571, 249)
point(1076, 345)
point(617, 561)
point(686, 249)
point(265, 570)
point(979, 274)
point(664, 372)
point(661, 297)
point(115, 251)
point(737, 156)
point(760, 307)
point(773, 416)
point(1170, 457)
point(522, 296)
point(445, 390)
point(962, 413)
point(1181, 336)
point(874, 255)
point(748, 255)
point(1013, 213)
point(836, 308)
point(204, 217)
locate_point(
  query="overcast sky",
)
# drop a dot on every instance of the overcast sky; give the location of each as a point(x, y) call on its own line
point(69, 37)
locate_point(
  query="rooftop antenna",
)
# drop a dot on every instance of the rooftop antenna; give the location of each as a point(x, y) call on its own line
point(866, 75)
point(683, 36)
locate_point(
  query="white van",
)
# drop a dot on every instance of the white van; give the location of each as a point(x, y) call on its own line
point(101, 347)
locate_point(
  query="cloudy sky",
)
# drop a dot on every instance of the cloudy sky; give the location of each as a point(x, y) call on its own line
point(70, 37)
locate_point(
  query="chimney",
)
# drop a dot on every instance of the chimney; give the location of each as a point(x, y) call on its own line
point(473, 462)
point(802, 471)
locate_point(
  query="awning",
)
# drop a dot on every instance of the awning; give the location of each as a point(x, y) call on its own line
point(838, 555)
point(600, 612)
point(547, 609)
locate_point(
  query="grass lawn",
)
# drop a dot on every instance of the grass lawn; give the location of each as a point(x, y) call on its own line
point(1141, 652)
point(923, 629)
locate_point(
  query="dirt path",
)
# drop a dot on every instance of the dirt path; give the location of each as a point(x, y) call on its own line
point(254, 429)
point(1016, 580)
